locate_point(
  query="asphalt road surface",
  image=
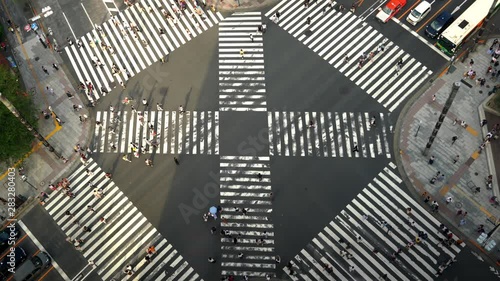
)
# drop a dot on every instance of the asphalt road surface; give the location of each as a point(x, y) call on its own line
point(281, 134)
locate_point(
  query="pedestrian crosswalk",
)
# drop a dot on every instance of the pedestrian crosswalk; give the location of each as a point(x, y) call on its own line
point(122, 239)
point(246, 199)
point(329, 134)
point(241, 63)
point(361, 242)
point(334, 35)
point(171, 132)
point(133, 40)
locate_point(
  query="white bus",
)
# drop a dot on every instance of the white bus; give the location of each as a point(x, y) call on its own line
point(459, 31)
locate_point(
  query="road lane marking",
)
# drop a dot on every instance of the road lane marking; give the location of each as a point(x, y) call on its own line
point(39, 245)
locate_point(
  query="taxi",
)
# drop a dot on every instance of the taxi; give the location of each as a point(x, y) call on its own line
point(389, 10)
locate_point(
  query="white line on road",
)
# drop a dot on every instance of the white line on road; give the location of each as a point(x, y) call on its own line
point(72, 32)
point(39, 245)
point(371, 10)
point(421, 38)
point(85, 10)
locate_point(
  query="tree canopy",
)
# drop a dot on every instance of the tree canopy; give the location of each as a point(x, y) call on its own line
point(15, 139)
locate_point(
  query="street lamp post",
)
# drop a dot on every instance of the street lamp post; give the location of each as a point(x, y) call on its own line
point(447, 105)
point(28, 126)
point(418, 128)
point(25, 179)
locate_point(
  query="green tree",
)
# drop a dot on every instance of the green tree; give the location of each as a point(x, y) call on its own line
point(15, 139)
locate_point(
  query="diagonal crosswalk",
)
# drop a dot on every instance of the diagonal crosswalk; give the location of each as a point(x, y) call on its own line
point(125, 236)
point(370, 230)
point(328, 134)
point(171, 132)
point(241, 63)
point(131, 41)
point(246, 199)
point(334, 35)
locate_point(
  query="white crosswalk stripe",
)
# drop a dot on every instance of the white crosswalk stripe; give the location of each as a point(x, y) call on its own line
point(334, 35)
point(191, 132)
point(328, 134)
point(134, 51)
point(125, 236)
point(367, 233)
point(246, 199)
point(242, 84)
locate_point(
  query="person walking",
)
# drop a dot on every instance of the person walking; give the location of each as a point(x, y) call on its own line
point(211, 260)
point(45, 70)
point(55, 66)
point(453, 140)
point(251, 37)
point(213, 229)
point(145, 102)
point(431, 160)
point(158, 107)
point(462, 222)
point(181, 109)
point(483, 122)
point(449, 200)
point(455, 160)
point(259, 176)
point(242, 53)
point(355, 149)
point(176, 161)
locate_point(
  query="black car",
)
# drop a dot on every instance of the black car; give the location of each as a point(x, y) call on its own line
point(18, 257)
point(439, 24)
point(4, 238)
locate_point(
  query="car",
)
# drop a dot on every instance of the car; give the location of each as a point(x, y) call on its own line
point(439, 24)
point(420, 12)
point(12, 260)
point(389, 10)
point(5, 238)
point(33, 267)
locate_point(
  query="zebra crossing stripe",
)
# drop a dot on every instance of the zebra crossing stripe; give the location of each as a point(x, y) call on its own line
point(331, 134)
point(175, 133)
point(241, 76)
point(242, 188)
point(385, 204)
point(125, 236)
point(131, 53)
point(332, 32)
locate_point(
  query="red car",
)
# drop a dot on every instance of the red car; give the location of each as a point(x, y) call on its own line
point(390, 9)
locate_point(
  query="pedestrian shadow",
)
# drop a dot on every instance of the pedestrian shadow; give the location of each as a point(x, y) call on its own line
point(188, 96)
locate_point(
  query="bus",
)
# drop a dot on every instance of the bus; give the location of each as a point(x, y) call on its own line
point(459, 31)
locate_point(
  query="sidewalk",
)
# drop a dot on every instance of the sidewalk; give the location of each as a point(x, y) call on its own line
point(461, 179)
point(241, 5)
point(42, 167)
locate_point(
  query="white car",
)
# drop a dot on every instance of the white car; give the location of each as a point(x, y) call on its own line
point(417, 14)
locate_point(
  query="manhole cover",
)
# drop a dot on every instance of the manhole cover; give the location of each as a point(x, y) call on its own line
point(37, 58)
point(42, 183)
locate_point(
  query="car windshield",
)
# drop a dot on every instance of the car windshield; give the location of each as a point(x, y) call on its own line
point(436, 25)
point(37, 261)
point(415, 13)
point(387, 10)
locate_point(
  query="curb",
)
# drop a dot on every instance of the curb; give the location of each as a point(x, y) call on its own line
point(399, 163)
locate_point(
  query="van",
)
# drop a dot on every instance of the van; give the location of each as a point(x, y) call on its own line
point(32, 267)
point(420, 12)
point(439, 24)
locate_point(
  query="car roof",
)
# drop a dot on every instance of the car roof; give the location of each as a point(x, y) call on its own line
point(444, 16)
point(392, 4)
